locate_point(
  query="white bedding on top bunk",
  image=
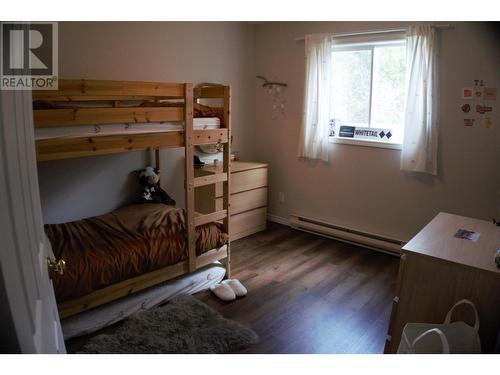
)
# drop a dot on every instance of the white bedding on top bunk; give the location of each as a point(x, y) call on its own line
point(105, 315)
point(199, 123)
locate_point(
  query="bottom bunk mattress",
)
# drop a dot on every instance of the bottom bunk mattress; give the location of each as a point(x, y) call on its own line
point(128, 242)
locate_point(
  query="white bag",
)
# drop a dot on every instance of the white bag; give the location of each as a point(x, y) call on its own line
point(456, 337)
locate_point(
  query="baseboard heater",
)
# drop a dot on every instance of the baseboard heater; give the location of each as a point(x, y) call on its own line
point(349, 235)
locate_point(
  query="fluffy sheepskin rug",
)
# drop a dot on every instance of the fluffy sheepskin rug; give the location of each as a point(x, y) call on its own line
point(184, 325)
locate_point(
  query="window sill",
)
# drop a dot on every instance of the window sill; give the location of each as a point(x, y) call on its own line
point(366, 143)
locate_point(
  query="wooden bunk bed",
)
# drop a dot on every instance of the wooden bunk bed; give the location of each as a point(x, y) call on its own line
point(109, 103)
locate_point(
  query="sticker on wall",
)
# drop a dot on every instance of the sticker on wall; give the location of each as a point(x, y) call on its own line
point(488, 121)
point(332, 126)
point(490, 93)
point(482, 109)
point(466, 108)
point(468, 121)
point(467, 93)
point(365, 133)
point(347, 131)
point(478, 91)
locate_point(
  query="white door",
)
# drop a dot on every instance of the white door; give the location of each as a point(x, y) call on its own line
point(24, 250)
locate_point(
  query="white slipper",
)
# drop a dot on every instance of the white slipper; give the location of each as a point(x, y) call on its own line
point(223, 292)
point(237, 287)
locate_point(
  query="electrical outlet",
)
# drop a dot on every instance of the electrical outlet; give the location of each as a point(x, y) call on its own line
point(281, 197)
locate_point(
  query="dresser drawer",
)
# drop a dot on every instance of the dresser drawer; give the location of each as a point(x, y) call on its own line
point(247, 180)
point(246, 200)
point(248, 222)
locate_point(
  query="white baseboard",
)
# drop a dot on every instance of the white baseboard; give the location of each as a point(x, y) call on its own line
point(350, 235)
point(278, 219)
point(354, 241)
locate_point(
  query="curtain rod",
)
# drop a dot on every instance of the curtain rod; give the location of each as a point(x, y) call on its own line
point(371, 32)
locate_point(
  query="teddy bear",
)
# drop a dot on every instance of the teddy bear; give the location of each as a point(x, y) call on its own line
point(149, 178)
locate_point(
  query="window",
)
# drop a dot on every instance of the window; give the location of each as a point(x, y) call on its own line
point(368, 89)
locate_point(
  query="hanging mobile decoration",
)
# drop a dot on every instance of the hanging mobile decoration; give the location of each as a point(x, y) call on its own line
point(275, 91)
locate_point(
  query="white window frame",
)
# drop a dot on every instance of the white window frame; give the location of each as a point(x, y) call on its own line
point(367, 42)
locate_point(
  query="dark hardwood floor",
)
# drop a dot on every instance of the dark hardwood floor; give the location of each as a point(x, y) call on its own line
point(308, 294)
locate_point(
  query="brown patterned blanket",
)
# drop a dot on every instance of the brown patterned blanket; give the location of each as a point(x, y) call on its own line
point(103, 250)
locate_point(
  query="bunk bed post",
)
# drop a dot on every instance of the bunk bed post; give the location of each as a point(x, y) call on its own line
point(189, 175)
point(226, 170)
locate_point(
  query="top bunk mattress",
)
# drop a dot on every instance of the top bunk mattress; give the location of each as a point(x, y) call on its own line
point(199, 123)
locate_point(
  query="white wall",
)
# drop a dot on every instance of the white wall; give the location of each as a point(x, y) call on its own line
point(363, 187)
point(220, 52)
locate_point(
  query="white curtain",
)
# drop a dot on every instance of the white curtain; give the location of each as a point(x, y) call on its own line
point(313, 142)
point(420, 135)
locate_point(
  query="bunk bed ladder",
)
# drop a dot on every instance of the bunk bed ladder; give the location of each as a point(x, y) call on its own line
point(192, 221)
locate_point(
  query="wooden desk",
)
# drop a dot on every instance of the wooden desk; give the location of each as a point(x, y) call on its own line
point(437, 269)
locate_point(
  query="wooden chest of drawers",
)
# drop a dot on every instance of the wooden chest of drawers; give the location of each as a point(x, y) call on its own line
point(438, 269)
point(248, 197)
